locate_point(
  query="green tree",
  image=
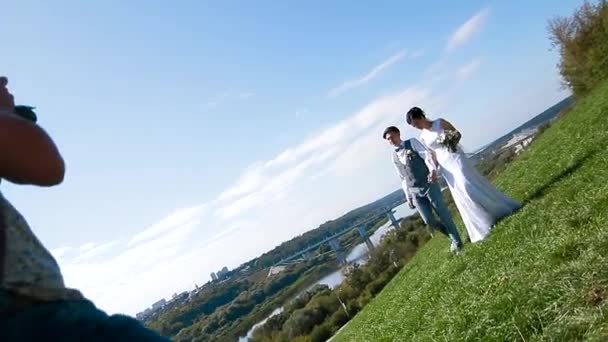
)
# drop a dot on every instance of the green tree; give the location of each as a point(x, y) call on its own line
point(582, 42)
point(321, 333)
point(358, 278)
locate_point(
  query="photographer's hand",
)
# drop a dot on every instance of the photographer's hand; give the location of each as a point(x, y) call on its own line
point(27, 154)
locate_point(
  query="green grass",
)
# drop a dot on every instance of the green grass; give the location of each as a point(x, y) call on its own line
point(542, 275)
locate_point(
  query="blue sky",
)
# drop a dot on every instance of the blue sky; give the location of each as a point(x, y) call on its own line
point(200, 134)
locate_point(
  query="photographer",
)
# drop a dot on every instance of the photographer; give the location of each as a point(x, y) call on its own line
point(35, 305)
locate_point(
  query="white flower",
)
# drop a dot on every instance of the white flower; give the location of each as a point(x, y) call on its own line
point(449, 139)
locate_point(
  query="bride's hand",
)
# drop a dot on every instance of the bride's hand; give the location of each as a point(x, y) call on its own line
point(432, 176)
point(410, 203)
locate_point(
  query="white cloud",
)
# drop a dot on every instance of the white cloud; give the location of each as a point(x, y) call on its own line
point(228, 231)
point(103, 279)
point(166, 243)
point(226, 97)
point(244, 203)
point(170, 222)
point(60, 252)
point(467, 30)
point(466, 71)
point(247, 182)
point(98, 250)
point(276, 186)
point(274, 178)
point(369, 76)
point(368, 146)
point(443, 73)
point(85, 247)
point(418, 53)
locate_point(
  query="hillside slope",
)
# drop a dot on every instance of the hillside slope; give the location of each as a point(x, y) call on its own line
point(541, 275)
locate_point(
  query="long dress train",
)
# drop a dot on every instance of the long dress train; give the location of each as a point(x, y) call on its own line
point(480, 204)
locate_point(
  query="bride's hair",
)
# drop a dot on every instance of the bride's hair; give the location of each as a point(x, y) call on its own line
point(414, 113)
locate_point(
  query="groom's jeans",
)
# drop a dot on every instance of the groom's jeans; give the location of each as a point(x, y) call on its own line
point(433, 201)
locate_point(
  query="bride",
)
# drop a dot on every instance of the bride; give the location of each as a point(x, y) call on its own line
point(480, 204)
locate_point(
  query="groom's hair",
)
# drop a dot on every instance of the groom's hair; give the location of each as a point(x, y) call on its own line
point(414, 113)
point(391, 129)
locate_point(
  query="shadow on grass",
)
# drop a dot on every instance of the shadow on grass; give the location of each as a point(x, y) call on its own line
point(541, 191)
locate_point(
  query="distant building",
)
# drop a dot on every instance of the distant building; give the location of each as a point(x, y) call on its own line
point(222, 273)
point(245, 269)
point(159, 304)
point(213, 276)
point(276, 270)
point(522, 144)
point(521, 139)
point(144, 314)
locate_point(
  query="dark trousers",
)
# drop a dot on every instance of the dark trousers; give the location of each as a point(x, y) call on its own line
point(432, 201)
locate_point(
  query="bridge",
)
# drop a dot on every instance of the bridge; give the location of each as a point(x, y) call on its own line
point(334, 242)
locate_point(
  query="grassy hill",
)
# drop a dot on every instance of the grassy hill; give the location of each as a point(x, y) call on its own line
point(543, 272)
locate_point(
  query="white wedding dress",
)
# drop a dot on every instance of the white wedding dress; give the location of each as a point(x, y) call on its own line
point(480, 204)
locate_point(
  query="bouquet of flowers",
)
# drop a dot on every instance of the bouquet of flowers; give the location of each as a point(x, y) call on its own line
point(449, 139)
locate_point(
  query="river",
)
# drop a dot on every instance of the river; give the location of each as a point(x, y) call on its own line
point(358, 254)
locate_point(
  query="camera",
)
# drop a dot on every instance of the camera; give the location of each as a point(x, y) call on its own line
point(26, 112)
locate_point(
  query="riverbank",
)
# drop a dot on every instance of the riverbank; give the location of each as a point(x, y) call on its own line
point(263, 312)
point(323, 310)
point(358, 254)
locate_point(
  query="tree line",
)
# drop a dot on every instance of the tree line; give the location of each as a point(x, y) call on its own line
point(319, 313)
point(582, 42)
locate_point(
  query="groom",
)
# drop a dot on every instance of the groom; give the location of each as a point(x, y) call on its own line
point(417, 169)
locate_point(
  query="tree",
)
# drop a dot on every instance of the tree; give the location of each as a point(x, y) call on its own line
point(338, 319)
point(358, 279)
point(321, 333)
point(582, 42)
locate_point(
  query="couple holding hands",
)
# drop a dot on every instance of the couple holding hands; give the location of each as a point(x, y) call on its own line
point(419, 162)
